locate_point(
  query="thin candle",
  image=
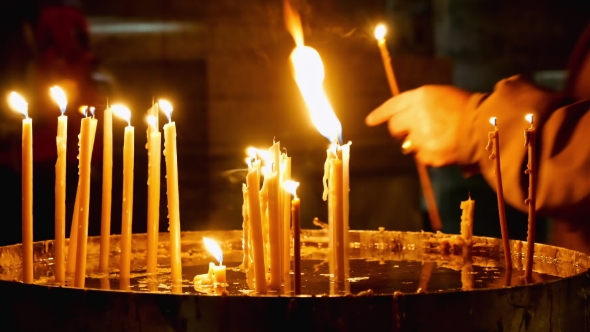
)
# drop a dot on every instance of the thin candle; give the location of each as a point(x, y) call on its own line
point(255, 221)
point(127, 211)
point(494, 146)
point(531, 170)
point(20, 105)
point(291, 187)
point(87, 134)
point(153, 214)
point(60, 185)
point(173, 198)
point(107, 188)
point(433, 213)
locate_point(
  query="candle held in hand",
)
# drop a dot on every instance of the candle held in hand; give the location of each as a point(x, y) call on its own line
point(60, 185)
point(20, 105)
point(173, 199)
point(127, 211)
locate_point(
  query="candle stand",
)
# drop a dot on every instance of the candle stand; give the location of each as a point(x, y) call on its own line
point(558, 304)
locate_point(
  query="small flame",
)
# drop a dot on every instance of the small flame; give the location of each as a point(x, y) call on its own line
point(291, 187)
point(254, 153)
point(92, 109)
point(494, 121)
point(166, 108)
point(529, 118)
point(59, 97)
point(83, 110)
point(309, 75)
point(293, 23)
point(214, 249)
point(18, 104)
point(406, 144)
point(152, 121)
point(122, 112)
point(380, 31)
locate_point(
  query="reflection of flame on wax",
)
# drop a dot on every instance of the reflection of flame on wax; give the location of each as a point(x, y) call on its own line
point(380, 31)
point(214, 249)
point(151, 120)
point(18, 104)
point(493, 121)
point(309, 75)
point(59, 97)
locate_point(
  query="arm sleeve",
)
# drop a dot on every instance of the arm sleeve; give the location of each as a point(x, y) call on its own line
point(563, 146)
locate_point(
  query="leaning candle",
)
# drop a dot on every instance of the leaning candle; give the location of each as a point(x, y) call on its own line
point(529, 142)
point(494, 145)
point(153, 214)
point(87, 133)
point(291, 187)
point(127, 212)
point(173, 199)
point(20, 105)
point(107, 187)
point(255, 220)
point(433, 213)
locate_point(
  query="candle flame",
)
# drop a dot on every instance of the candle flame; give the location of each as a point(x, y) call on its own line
point(380, 31)
point(122, 112)
point(166, 108)
point(83, 110)
point(92, 109)
point(254, 153)
point(494, 121)
point(291, 187)
point(152, 121)
point(214, 249)
point(309, 75)
point(18, 104)
point(59, 97)
point(406, 144)
point(529, 118)
point(293, 23)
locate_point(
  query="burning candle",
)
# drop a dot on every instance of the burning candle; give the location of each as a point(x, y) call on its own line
point(173, 200)
point(60, 185)
point(87, 134)
point(529, 142)
point(275, 220)
point(494, 146)
point(127, 213)
point(20, 105)
point(309, 75)
point(380, 32)
point(286, 229)
point(219, 275)
point(291, 187)
point(107, 187)
point(153, 215)
point(255, 221)
point(433, 214)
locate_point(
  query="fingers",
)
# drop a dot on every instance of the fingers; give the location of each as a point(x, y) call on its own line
point(390, 108)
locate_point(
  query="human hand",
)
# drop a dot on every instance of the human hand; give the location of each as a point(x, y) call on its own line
point(429, 118)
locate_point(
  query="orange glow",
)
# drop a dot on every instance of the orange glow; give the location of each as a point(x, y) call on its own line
point(291, 187)
point(380, 31)
point(529, 118)
point(493, 121)
point(293, 23)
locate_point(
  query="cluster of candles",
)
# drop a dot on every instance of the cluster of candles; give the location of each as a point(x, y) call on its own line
point(75, 263)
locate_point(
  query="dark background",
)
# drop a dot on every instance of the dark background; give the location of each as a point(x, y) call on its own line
point(224, 66)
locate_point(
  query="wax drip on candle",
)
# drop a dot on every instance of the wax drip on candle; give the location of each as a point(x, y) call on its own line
point(59, 97)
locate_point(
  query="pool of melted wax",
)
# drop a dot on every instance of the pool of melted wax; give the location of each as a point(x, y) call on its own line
point(382, 277)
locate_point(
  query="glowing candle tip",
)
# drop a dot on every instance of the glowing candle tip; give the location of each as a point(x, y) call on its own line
point(151, 120)
point(166, 108)
point(380, 31)
point(214, 249)
point(291, 187)
point(18, 104)
point(122, 112)
point(59, 97)
point(529, 118)
point(493, 121)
